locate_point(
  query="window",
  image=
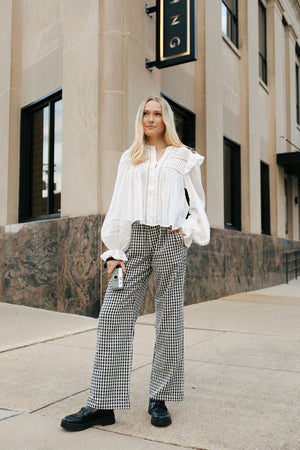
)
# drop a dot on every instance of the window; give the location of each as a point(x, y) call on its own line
point(286, 204)
point(185, 121)
point(230, 20)
point(40, 159)
point(297, 95)
point(232, 185)
point(262, 41)
point(265, 198)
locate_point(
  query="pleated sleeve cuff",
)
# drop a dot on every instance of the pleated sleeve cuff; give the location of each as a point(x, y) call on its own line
point(117, 254)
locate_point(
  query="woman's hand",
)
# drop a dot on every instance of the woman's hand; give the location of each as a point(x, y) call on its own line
point(112, 264)
point(182, 234)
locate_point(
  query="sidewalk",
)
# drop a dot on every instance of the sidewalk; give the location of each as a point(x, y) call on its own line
point(242, 382)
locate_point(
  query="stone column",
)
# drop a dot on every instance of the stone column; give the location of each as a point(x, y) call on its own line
point(277, 113)
point(290, 73)
point(81, 79)
point(111, 96)
point(10, 50)
point(254, 95)
point(200, 88)
point(214, 113)
point(291, 131)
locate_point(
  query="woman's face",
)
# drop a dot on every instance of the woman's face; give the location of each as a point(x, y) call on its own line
point(153, 123)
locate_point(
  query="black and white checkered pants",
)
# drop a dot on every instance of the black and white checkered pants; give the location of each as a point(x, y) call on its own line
point(152, 248)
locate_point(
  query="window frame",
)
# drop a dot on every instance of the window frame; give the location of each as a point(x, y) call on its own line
point(265, 198)
point(235, 181)
point(189, 117)
point(26, 156)
point(297, 95)
point(286, 205)
point(263, 56)
point(234, 23)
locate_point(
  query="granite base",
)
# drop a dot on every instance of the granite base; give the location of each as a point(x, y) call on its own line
point(56, 265)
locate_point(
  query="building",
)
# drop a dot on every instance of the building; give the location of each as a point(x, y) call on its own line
point(72, 75)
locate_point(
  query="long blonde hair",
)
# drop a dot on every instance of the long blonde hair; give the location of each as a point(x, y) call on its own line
point(137, 155)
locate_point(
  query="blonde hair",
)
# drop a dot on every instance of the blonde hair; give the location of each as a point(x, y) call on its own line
point(137, 155)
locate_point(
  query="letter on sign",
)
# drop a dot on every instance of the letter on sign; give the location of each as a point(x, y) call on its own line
point(175, 20)
point(174, 42)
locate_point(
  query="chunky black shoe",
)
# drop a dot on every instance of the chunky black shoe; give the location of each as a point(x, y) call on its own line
point(86, 418)
point(159, 412)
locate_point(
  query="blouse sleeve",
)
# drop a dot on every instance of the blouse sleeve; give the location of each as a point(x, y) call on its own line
point(195, 227)
point(116, 229)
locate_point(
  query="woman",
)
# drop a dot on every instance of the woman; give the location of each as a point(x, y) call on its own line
point(148, 228)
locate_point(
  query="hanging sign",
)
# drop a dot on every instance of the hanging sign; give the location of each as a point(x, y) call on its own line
point(175, 32)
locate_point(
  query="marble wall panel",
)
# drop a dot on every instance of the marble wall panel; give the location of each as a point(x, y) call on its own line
point(56, 265)
point(30, 269)
point(1, 261)
point(79, 265)
point(199, 274)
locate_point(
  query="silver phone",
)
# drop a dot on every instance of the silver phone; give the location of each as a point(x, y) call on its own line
point(117, 278)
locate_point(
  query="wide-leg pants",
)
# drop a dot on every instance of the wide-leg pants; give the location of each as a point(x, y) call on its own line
point(152, 248)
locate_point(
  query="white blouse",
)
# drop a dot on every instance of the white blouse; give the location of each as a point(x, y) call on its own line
point(153, 193)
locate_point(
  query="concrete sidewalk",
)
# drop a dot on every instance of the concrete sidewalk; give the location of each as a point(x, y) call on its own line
point(242, 366)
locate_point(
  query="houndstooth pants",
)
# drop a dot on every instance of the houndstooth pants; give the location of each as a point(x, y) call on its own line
point(152, 248)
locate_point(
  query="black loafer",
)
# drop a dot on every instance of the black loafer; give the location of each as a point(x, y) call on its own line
point(86, 418)
point(159, 412)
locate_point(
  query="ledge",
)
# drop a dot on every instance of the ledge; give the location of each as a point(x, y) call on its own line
point(264, 86)
point(231, 45)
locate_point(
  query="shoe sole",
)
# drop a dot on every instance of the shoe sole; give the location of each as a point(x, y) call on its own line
point(106, 420)
point(159, 422)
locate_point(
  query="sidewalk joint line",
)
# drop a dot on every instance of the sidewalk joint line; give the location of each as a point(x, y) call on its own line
point(98, 427)
point(209, 338)
point(241, 366)
point(31, 344)
point(58, 401)
point(241, 332)
point(142, 367)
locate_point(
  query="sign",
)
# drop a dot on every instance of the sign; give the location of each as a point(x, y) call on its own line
point(175, 33)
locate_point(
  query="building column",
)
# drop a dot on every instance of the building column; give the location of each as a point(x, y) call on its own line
point(214, 113)
point(200, 77)
point(291, 131)
point(10, 49)
point(277, 119)
point(80, 158)
point(112, 119)
point(290, 75)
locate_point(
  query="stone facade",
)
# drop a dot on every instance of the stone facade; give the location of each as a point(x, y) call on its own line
point(56, 265)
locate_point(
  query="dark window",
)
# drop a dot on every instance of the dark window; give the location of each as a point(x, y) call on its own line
point(265, 198)
point(262, 41)
point(232, 185)
point(230, 20)
point(40, 159)
point(297, 95)
point(185, 121)
point(286, 202)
